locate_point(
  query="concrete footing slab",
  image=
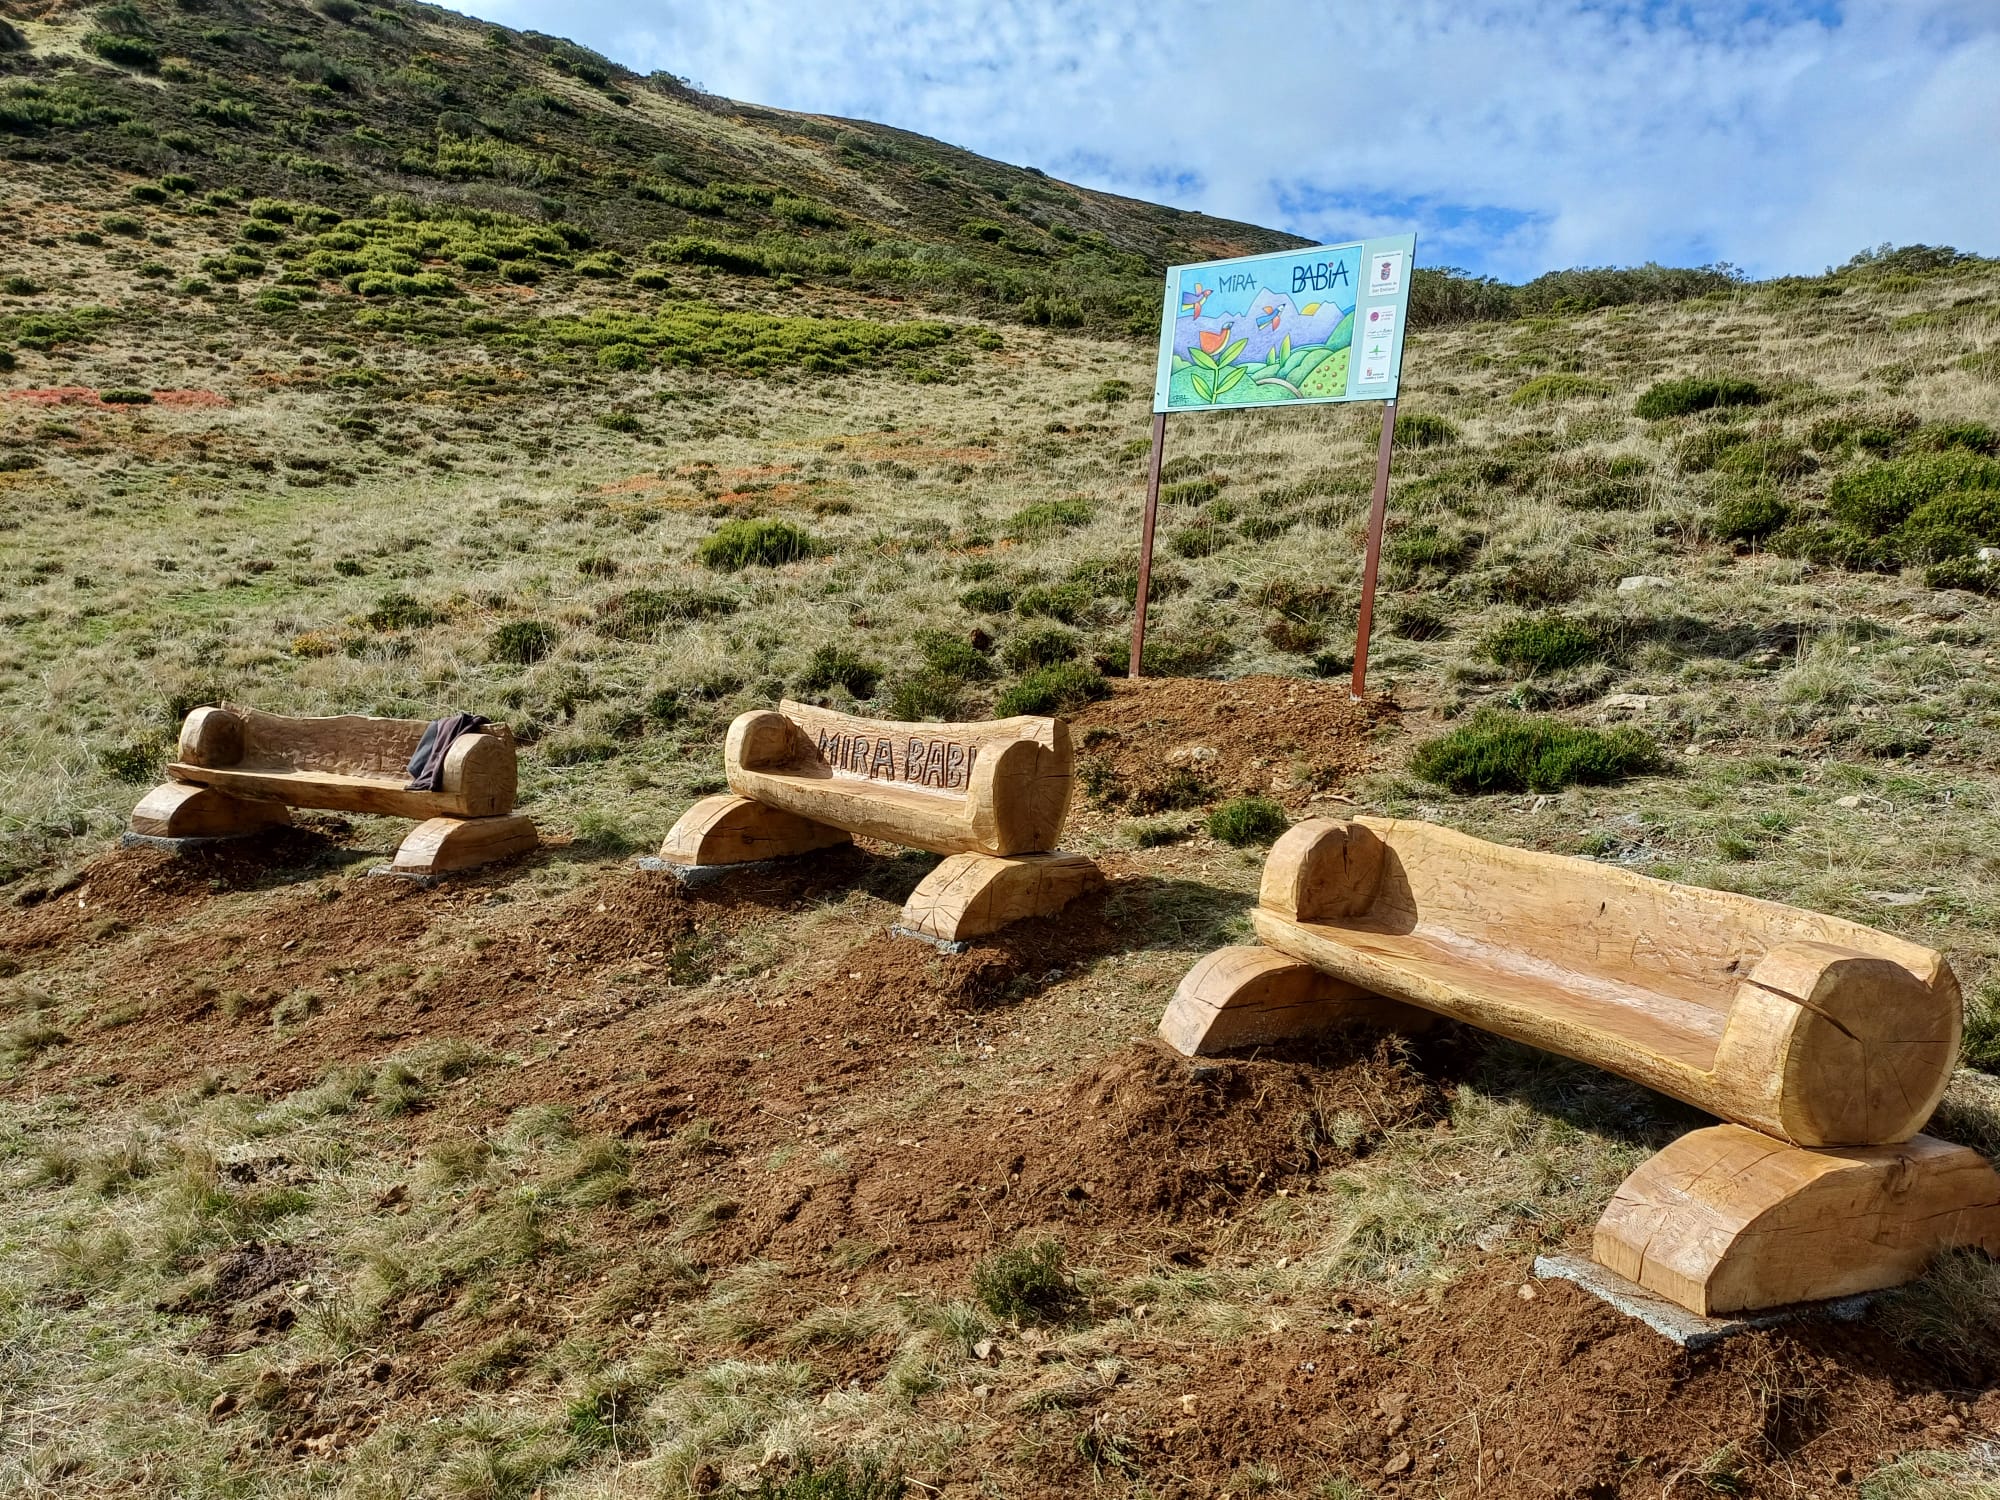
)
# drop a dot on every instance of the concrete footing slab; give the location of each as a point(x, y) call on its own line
point(1670, 1320)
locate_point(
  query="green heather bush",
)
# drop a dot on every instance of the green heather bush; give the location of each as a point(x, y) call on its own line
point(1028, 1284)
point(1183, 656)
point(1418, 429)
point(1748, 517)
point(1070, 602)
point(926, 695)
point(1191, 491)
point(126, 51)
point(1545, 390)
point(1048, 518)
point(1496, 751)
point(1692, 393)
point(1243, 821)
point(643, 613)
point(1042, 646)
point(987, 599)
point(1778, 459)
point(736, 545)
point(1878, 499)
point(522, 643)
point(953, 655)
point(840, 665)
point(402, 612)
point(1057, 688)
point(1974, 437)
point(123, 396)
point(1544, 643)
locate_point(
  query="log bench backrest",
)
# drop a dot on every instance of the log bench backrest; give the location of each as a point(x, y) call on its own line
point(479, 774)
point(1001, 787)
point(1807, 1026)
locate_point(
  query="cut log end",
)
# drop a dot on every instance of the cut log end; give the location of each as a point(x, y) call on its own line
point(1241, 997)
point(439, 846)
point(731, 830)
point(970, 895)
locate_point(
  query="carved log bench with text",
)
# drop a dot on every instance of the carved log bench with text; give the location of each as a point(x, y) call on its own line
point(1831, 1041)
point(991, 797)
point(238, 770)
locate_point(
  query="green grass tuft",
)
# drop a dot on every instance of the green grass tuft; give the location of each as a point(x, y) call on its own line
point(1693, 393)
point(1544, 643)
point(1028, 1284)
point(1497, 751)
point(1055, 689)
point(522, 643)
point(736, 545)
point(1243, 821)
point(831, 665)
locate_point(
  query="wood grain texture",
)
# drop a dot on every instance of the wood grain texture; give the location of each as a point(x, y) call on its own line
point(1235, 998)
point(481, 773)
point(176, 811)
point(1002, 787)
point(1817, 1030)
point(1728, 1220)
point(970, 895)
point(438, 846)
point(729, 830)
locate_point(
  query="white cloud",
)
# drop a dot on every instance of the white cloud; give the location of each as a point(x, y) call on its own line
point(1515, 136)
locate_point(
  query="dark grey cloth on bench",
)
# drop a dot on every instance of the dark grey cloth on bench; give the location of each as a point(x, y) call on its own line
point(427, 765)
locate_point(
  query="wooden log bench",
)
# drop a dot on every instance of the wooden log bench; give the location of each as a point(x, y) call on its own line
point(991, 797)
point(238, 770)
point(1827, 1043)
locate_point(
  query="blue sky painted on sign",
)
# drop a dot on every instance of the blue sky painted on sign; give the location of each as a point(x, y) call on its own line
point(1513, 136)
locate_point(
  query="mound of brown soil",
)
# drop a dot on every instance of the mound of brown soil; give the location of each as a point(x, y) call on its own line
point(1275, 736)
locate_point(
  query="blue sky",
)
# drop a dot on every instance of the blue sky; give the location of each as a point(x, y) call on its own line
point(1513, 136)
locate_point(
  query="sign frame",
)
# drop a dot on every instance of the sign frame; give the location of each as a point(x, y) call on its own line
point(1205, 362)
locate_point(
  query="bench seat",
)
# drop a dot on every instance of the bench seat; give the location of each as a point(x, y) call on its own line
point(330, 791)
point(1813, 1029)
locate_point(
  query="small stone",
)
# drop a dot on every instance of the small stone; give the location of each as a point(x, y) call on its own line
point(1392, 1404)
point(1639, 582)
point(1849, 801)
point(1396, 1425)
point(1527, 1294)
point(222, 1406)
point(1400, 1464)
point(984, 1349)
point(1187, 1405)
point(1627, 703)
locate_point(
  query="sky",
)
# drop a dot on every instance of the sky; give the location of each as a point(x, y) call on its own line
point(1513, 136)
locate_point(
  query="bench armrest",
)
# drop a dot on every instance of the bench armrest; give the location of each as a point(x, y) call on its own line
point(761, 740)
point(1322, 868)
point(211, 738)
point(1830, 1046)
point(480, 771)
point(1018, 795)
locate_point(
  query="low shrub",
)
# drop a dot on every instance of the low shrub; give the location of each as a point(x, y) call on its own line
point(522, 643)
point(736, 545)
point(619, 421)
point(1028, 1284)
point(1693, 393)
point(1496, 751)
point(1880, 498)
point(126, 51)
point(987, 599)
point(1545, 390)
point(1054, 689)
point(1043, 646)
point(926, 695)
point(121, 396)
point(1420, 429)
point(1974, 437)
point(1048, 518)
point(1184, 656)
point(1544, 643)
point(1748, 517)
point(1070, 602)
point(831, 665)
point(1243, 821)
point(402, 612)
point(843, 1479)
point(954, 656)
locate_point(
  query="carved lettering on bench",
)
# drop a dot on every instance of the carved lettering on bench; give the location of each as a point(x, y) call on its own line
point(945, 764)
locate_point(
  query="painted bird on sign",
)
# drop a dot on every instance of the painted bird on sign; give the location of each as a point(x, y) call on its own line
point(1270, 318)
point(1191, 302)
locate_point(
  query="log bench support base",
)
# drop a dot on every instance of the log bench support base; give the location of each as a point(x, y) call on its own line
point(970, 895)
point(444, 846)
point(1253, 997)
point(1728, 1220)
point(966, 896)
point(177, 815)
point(1670, 1320)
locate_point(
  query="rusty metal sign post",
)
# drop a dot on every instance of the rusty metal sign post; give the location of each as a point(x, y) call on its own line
point(1326, 325)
